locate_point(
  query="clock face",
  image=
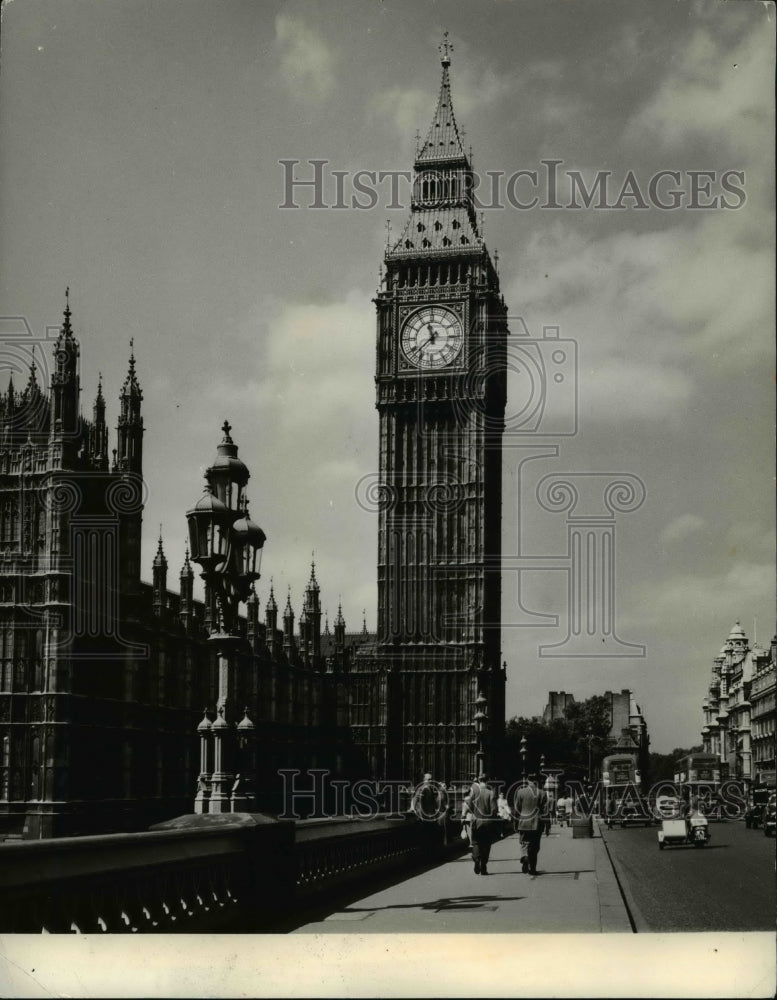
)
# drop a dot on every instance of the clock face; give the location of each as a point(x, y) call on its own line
point(432, 337)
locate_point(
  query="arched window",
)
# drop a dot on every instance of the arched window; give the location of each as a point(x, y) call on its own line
point(35, 769)
point(37, 662)
point(5, 765)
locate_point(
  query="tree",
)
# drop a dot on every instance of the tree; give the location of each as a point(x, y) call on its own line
point(563, 742)
point(662, 764)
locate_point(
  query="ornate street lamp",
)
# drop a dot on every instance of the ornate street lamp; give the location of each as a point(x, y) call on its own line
point(481, 721)
point(227, 545)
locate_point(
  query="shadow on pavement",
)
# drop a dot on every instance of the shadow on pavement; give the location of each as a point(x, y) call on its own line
point(444, 903)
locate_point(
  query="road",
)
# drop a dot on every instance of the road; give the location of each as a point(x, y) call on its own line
point(727, 885)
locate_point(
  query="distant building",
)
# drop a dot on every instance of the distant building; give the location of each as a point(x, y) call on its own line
point(762, 716)
point(628, 729)
point(741, 693)
point(558, 702)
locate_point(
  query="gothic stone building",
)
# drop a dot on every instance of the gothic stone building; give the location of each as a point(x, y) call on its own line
point(103, 677)
point(440, 396)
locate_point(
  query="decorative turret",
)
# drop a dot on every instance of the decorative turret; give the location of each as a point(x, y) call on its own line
point(130, 425)
point(159, 571)
point(252, 614)
point(312, 612)
point(339, 628)
point(737, 641)
point(65, 391)
point(288, 627)
point(271, 612)
point(187, 591)
point(129, 460)
point(31, 419)
point(98, 432)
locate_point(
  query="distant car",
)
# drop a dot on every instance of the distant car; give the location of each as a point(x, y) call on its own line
point(668, 807)
point(770, 815)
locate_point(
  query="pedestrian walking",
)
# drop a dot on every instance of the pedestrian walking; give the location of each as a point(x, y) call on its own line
point(481, 810)
point(505, 815)
point(561, 811)
point(531, 807)
point(569, 805)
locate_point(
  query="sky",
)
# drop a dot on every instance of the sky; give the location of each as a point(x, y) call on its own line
point(140, 165)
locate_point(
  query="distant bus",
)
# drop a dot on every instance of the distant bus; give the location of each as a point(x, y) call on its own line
point(699, 775)
point(621, 785)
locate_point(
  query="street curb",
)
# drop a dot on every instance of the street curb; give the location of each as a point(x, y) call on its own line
point(614, 914)
point(638, 923)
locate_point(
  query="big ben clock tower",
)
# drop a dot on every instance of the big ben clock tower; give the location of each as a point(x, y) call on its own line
point(440, 382)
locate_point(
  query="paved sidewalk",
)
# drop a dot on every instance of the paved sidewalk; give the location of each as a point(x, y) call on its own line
point(574, 891)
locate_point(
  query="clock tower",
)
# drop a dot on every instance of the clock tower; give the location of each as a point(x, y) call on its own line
point(440, 387)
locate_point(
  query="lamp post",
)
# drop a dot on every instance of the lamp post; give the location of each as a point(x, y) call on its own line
point(481, 720)
point(523, 757)
point(589, 738)
point(227, 545)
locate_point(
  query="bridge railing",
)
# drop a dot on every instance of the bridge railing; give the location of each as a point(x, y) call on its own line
point(227, 872)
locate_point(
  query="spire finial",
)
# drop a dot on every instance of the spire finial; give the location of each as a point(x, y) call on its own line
point(227, 427)
point(132, 356)
point(66, 326)
point(388, 232)
point(445, 50)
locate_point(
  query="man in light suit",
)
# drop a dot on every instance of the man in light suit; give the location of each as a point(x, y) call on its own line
point(531, 809)
point(481, 811)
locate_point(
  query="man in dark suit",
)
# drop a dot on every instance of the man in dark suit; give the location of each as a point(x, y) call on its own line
point(480, 810)
point(531, 809)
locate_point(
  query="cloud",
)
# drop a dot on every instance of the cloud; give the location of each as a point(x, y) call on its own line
point(307, 65)
point(653, 312)
point(682, 527)
point(308, 432)
point(672, 602)
point(716, 89)
point(409, 108)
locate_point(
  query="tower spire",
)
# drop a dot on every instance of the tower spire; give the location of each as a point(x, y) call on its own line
point(443, 140)
point(66, 328)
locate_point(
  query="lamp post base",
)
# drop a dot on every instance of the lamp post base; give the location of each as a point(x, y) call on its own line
point(220, 794)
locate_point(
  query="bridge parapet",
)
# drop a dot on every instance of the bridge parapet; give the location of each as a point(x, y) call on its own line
point(226, 872)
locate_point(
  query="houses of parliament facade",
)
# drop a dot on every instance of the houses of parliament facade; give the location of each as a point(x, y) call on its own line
point(104, 677)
